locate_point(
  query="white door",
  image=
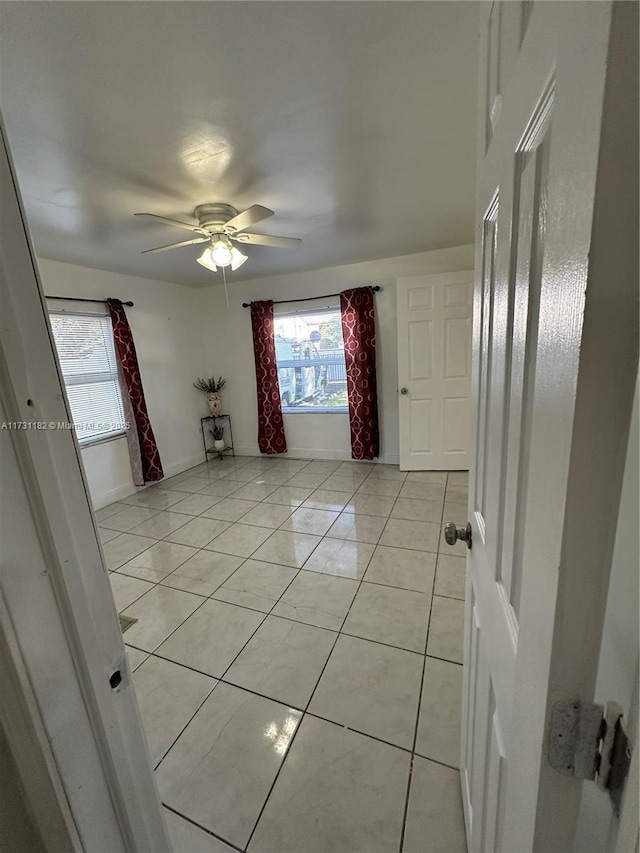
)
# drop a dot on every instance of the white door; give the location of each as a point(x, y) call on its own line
point(434, 370)
point(68, 710)
point(554, 365)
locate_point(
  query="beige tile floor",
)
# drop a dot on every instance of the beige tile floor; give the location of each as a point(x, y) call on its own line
point(297, 654)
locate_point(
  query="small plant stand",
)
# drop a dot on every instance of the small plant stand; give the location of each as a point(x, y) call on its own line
point(228, 448)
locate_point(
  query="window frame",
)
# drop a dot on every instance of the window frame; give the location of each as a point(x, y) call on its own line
point(110, 435)
point(290, 311)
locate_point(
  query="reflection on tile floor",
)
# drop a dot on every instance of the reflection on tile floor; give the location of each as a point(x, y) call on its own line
point(297, 653)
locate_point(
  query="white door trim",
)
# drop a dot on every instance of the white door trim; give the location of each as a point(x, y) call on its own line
point(72, 587)
point(24, 730)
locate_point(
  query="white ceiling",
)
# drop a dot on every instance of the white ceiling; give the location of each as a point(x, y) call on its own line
point(354, 121)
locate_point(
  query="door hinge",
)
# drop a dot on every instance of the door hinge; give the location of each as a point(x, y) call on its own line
point(589, 742)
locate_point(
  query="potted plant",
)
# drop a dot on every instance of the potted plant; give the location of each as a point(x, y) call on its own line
point(218, 437)
point(212, 388)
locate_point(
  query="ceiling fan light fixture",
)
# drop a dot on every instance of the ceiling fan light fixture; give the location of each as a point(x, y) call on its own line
point(221, 252)
point(237, 258)
point(217, 224)
point(207, 261)
point(212, 261)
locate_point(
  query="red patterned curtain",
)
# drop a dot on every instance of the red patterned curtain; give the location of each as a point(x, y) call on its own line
point(146, 466)
point(270, 424)
point(359, 333)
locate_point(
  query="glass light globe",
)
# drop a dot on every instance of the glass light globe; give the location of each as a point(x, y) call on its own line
point(221, 253)
point(237, 258)
point(206, 260)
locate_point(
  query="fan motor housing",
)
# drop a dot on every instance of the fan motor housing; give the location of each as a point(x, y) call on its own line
point(214, 215)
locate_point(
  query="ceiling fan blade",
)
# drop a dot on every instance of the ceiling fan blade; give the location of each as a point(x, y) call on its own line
point(171, 221)
point(251, 216)
point(176, 245)
point(267, 240)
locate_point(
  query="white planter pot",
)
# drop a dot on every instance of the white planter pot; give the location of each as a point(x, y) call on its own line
point(219, 443)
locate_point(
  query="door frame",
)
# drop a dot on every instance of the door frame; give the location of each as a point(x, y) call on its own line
point(81, 628)
point(22, 725)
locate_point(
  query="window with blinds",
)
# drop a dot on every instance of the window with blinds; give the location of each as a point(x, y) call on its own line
point(87, 356)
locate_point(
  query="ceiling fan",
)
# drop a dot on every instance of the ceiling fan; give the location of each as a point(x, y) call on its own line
point(220, 224)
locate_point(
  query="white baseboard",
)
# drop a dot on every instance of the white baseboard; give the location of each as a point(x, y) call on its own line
point(390, 459)
point(127, 489)
point(320, 453)
point(112, 496)
point(184, 465)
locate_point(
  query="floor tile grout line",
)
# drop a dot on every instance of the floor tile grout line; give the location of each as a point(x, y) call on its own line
point(124, 565)
point(159, 583)
point(290, 744)
point(106, 563)
point(360, 732)
point(450, 597)
point(364, 574)
point(436, 761)
point(419, 705)
point(135, 599)
point(204, 599)
point(181, 732)
point(103, 526)
point(445, 660)
point(275, 779)
point(203, 828)
point(381, 643)
point(406, 749)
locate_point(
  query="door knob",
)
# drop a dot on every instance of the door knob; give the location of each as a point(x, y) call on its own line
point(404, 390)
point(453, 533)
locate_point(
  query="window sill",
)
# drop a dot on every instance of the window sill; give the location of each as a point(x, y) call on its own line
point(316, 410)
point(101, 439)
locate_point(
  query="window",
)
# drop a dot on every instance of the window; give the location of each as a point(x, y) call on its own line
point(87, 356)
point(310, 356)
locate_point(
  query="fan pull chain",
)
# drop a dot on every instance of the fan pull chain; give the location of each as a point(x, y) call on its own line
point(224, 276)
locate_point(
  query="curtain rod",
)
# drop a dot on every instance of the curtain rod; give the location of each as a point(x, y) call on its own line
point(374, 287)
point(80, 299)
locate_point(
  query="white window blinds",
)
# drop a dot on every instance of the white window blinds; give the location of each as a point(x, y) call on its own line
point(87, 356)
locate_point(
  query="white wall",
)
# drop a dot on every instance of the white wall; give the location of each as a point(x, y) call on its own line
point(229, 350)
point(167, 334)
